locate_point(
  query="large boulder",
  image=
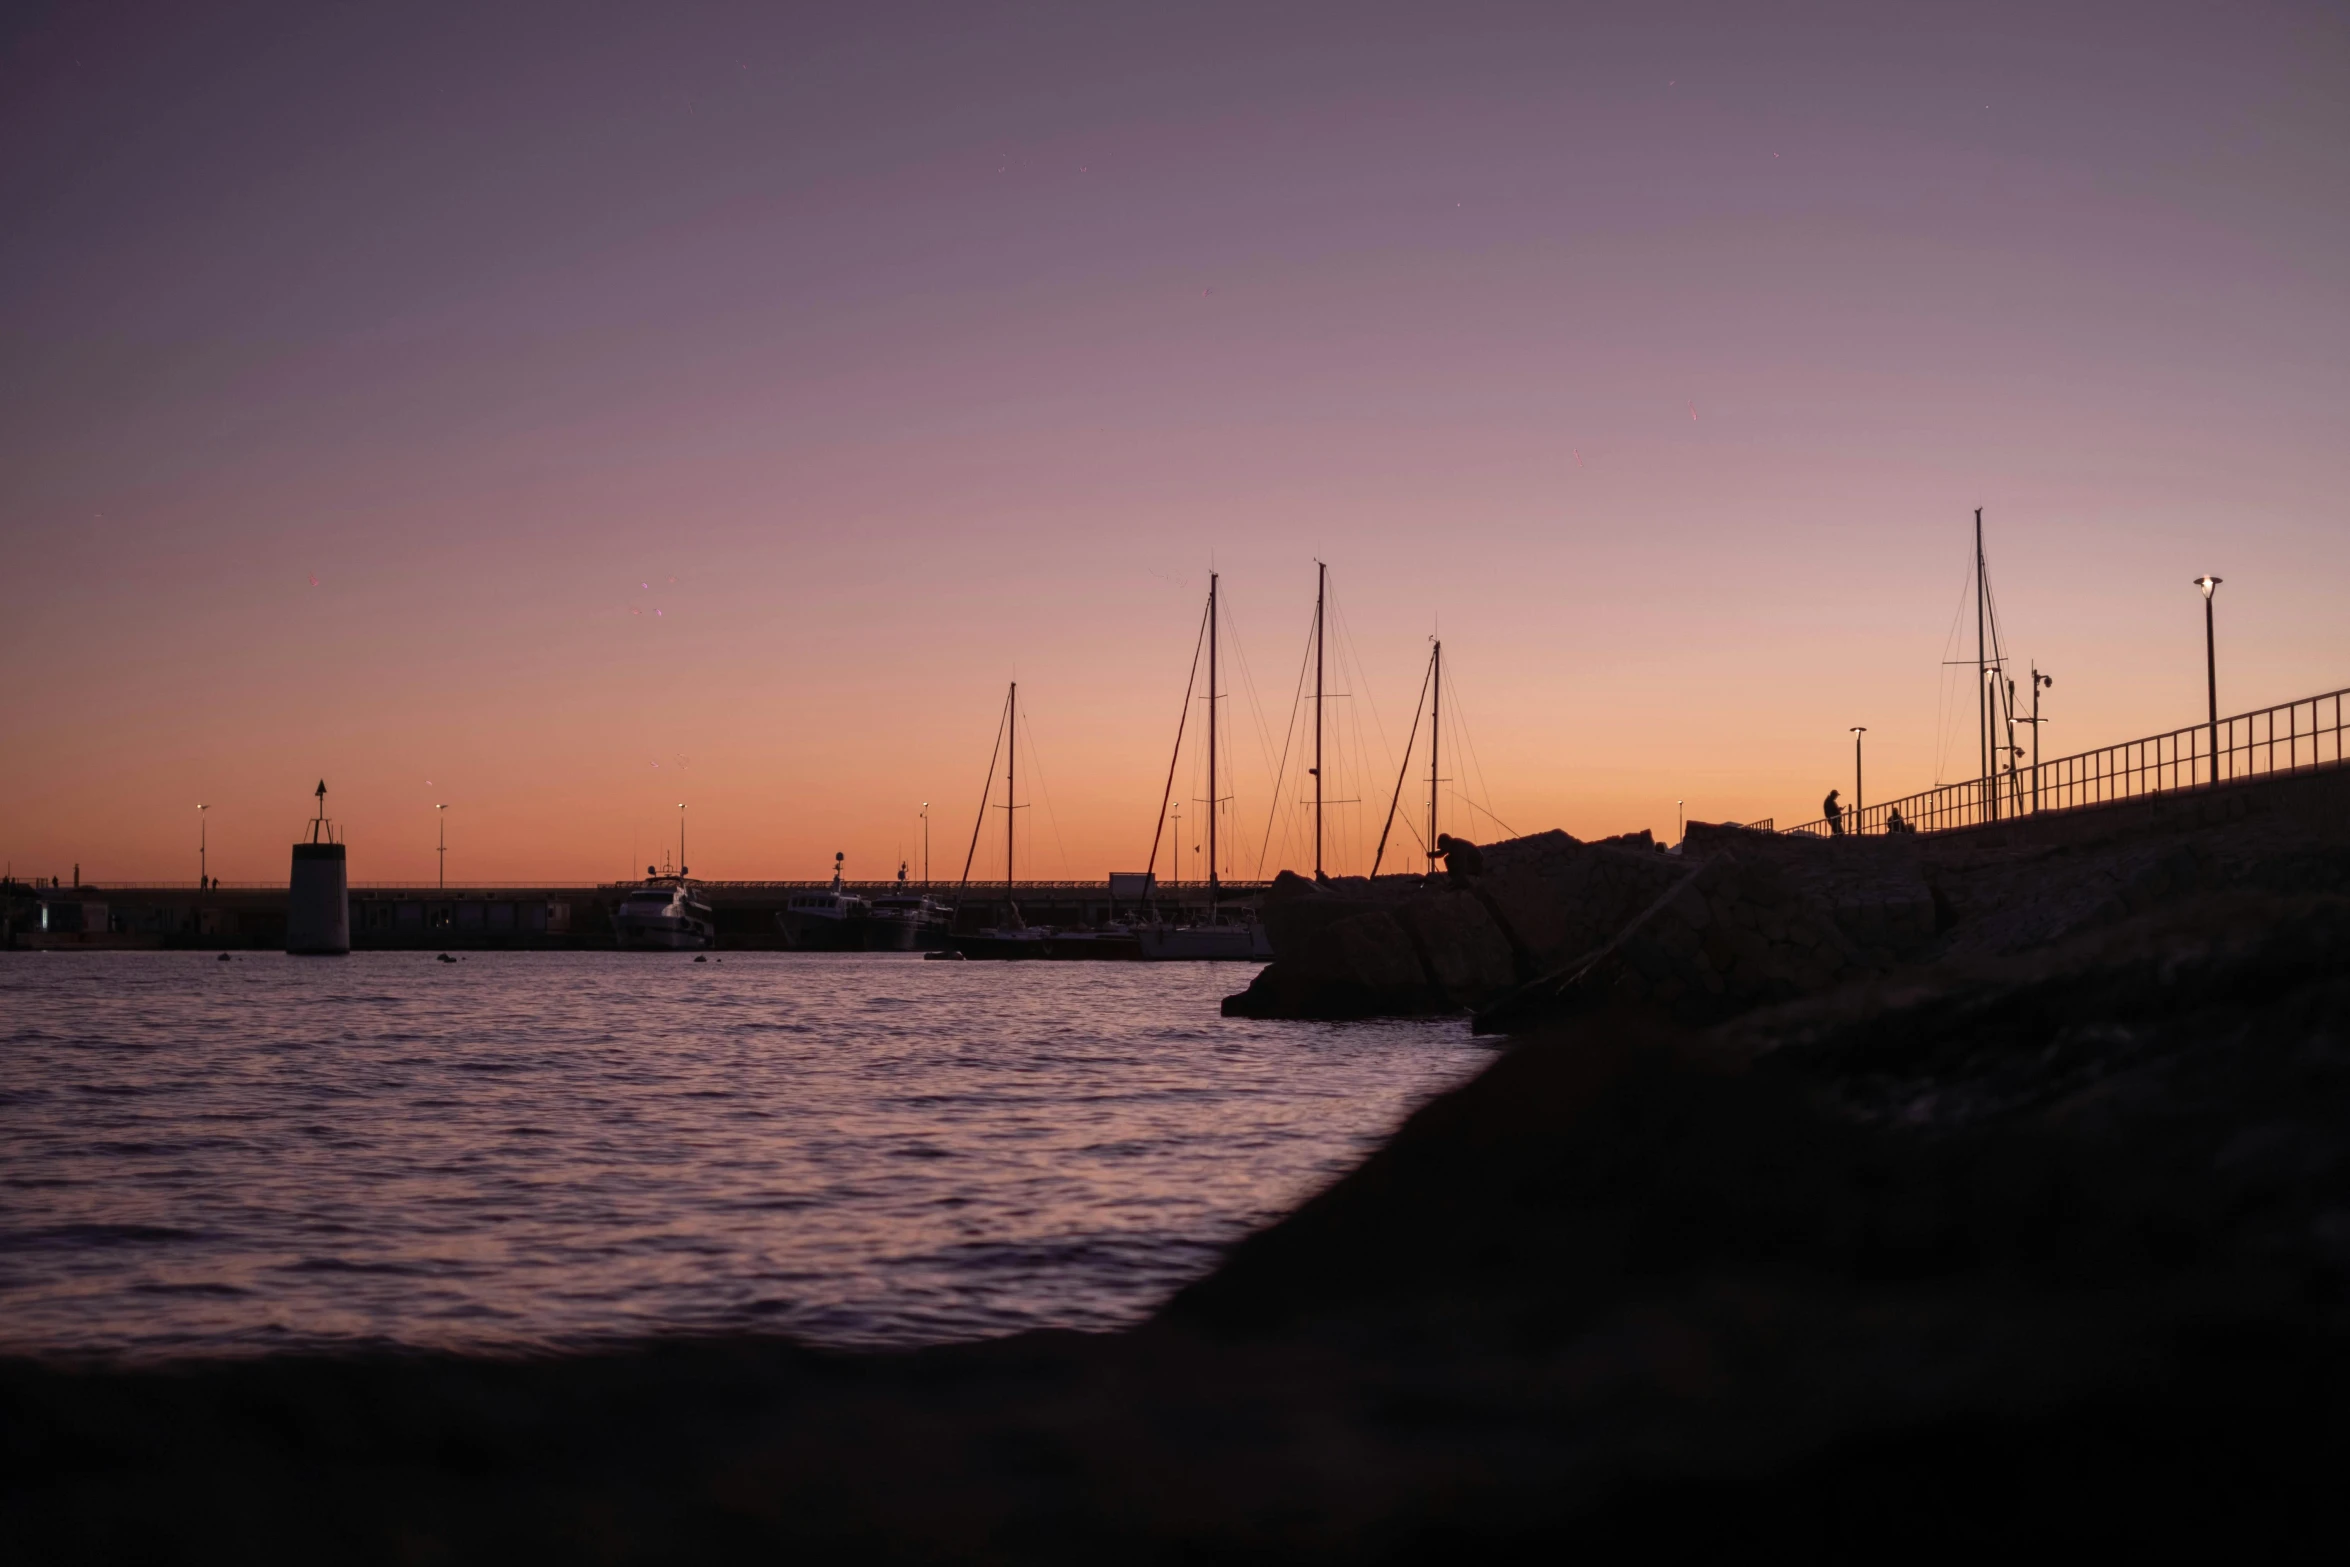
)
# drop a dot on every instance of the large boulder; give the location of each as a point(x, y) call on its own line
point(1729, 933)
point(1557, 900)
point(1340, 946)
point(1461, 949)
point(1358, 965)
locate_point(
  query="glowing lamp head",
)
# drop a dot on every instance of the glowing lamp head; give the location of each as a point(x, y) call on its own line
point(2207, 583)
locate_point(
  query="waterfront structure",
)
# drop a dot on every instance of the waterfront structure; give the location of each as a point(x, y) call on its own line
point(318, 898)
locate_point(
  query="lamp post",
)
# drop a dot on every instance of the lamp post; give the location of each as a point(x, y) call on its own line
point(681, 838)
point(1857, 731)
point(2208, 584)
point(2040, 683)
point(1680, 821)
point(203, 843)
point(926, 846)
point(443, 850)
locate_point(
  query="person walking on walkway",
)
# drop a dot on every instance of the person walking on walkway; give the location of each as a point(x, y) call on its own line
point(1835, 814)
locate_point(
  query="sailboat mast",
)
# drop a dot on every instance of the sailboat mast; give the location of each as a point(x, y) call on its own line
point(1321, 591)
point(1011, 798)
point(1982, 691)
point(1435, 739)
point(1212, 801)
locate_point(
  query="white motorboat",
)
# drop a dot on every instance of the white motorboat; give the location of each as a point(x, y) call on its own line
point(665, 914)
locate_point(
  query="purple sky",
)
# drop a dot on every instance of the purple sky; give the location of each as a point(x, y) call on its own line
point(752, 391)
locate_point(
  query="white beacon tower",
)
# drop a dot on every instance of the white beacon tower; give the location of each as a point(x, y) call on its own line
point(318, 905)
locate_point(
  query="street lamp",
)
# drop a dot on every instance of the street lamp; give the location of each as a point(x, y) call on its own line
point(2040, 683)
point(681, 838)
point(444, 848)
point(926, 846)
point(1680, 822)
point(1857, 731)
point(2209, 584)
point(203, 863)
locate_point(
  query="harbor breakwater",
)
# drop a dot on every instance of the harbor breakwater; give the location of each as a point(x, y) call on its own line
point(1548, 926)
point(2027, 1218)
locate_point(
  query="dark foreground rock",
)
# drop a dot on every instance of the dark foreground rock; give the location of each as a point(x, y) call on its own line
point(2049, 1245)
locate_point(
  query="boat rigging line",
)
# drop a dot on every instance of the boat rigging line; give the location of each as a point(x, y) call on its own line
point(1465, 744)
point(1190, 682)
point(1027, 726)
point(1281, 769)
point(1404, 770)
point(985, 793)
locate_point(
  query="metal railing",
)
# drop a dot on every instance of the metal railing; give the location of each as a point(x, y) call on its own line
point(2292, 737)
point(455, 889)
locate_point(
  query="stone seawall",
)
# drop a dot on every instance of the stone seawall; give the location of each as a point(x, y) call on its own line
point(1738, 918)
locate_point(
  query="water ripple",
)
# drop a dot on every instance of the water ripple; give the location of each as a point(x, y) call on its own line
point(555, 1149)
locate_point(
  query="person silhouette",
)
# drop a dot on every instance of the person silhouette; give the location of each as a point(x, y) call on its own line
point(1894, 822)
point(1461, 859)
point(1835, 814)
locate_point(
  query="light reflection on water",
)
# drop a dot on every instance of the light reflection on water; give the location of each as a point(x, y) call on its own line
point(540, 1148)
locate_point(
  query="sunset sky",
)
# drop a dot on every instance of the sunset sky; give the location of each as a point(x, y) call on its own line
point(565, 412)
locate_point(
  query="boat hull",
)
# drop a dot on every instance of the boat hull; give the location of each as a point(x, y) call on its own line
point(1205, 944)
point(1091, 946)
point(806, 933)
point(1029, 946)
point(690, 937)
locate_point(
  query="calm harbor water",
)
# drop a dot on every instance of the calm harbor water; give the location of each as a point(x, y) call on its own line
point(550, 1149)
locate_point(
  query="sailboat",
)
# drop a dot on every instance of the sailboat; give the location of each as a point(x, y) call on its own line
point(1013, 937)
point(1216, 937)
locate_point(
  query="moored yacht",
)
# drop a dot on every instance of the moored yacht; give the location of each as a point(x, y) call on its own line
point(909, 922)
point(664, 914)
point(832, 921)
point(1218, 936)
point(1014, 939)
point(1112, 943)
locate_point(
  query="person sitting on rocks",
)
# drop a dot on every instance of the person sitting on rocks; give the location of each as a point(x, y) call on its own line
point(1895, 822)
point(1834, 813)
point(1461, 859)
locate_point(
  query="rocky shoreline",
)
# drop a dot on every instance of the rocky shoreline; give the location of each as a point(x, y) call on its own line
point(1918, 1199)
point(1736, 918)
